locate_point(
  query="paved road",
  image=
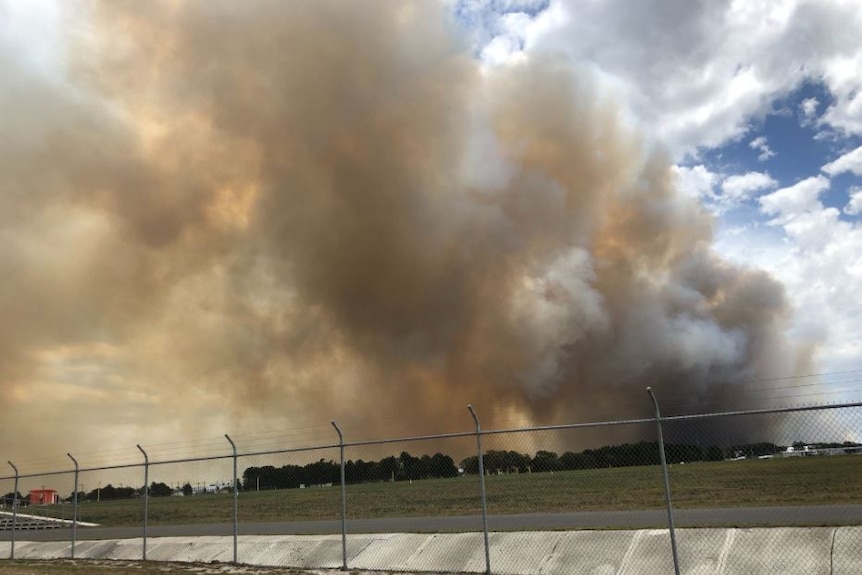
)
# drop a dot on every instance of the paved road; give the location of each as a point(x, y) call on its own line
point(746, 516)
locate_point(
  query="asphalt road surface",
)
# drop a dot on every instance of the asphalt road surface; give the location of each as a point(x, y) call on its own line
point(734, 517)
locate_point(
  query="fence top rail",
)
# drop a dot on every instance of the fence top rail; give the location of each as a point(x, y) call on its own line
point(764, 411)
point(717, 414)
point(453, 435)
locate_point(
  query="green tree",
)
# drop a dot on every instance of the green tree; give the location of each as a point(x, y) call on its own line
point(10, 497)
point(388, 469)
point(409, 466)
point(470, 464)
point(546, 461)
point(714, 453)
point(160, 490)
point(442, 466)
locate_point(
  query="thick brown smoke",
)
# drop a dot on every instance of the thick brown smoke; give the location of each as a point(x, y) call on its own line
point(296, 211)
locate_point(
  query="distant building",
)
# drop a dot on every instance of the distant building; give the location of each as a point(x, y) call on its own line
point(813, 450)
point(43, 497)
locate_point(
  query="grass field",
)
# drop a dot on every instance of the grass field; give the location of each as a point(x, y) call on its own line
point(771, 482)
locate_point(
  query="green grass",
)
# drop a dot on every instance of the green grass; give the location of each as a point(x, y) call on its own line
point(772, 482)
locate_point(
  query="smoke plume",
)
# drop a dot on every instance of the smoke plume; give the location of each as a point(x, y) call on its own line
point(232, 214)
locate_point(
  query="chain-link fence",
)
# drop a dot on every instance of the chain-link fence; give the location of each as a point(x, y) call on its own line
point(689, 493)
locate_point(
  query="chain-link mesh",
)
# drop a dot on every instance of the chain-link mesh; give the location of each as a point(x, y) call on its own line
point(748, 489)
point(110, 497)
point(769, 468)
point(563, 471)
point(8, 509)
point(190, 493)
point(46, 498)
point(790, 469)
point(409, 479)
point(290, 487)
point(581, 480)
point(44, 511)
point(415, 488)
point(7, 487)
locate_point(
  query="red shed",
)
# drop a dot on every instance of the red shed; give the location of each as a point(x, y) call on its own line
point(43, 497)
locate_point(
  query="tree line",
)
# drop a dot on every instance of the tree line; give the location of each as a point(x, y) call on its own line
point(624, 455)
point(110, 492)
point(407, 467)
point(402, 468)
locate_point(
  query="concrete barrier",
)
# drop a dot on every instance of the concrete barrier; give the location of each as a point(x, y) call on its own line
point(790, 551)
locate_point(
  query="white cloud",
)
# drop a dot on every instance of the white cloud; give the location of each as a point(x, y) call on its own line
point(796, 200)
point(502, 30)
point(809, 107)
point(500, 50)
point(854, 206)
point(740, 187)
point(695, 75)
point(761, 146)
point(815, 256)
point(842, 76)
point(718, 192)
point(849, 162)
point(696, 182)
point(509, 42)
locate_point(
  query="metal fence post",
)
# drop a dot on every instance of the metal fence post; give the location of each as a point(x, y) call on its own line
point(146, 497)
point(14, 511)
point(343, 501)
point(235, 499)
point(481, 462)
point(74, 505)
point(666, 482)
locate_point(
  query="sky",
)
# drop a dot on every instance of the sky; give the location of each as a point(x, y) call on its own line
point(258, 218)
